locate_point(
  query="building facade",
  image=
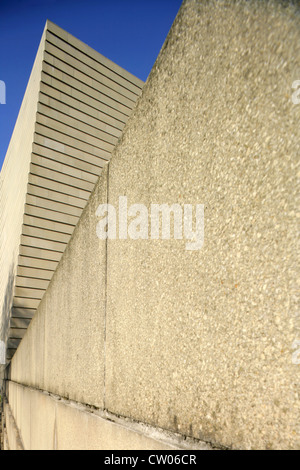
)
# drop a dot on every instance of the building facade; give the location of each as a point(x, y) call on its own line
point(133, 341)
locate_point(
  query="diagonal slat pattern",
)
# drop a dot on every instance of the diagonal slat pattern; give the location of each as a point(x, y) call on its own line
point(83, 103)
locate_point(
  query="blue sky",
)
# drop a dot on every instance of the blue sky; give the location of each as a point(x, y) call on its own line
point(129, 32)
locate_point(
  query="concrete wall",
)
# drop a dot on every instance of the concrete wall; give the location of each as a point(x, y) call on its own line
point(71, 320)
point(10, 431)
point(197, 343)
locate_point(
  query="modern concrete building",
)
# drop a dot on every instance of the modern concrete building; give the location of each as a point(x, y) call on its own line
point(74, 110)
point(139, 343)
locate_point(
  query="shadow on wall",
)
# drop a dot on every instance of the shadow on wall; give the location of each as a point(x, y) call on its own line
point(6, 312)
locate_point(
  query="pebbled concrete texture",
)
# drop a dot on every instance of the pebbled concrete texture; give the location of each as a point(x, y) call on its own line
point(74, 109)
point(201, 342)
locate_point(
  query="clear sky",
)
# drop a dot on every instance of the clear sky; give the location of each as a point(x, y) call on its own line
point(129, 32)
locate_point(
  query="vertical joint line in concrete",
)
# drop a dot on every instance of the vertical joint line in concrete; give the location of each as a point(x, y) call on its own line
point(105, 301)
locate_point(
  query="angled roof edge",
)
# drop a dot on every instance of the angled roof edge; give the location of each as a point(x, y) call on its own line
point(74, 110)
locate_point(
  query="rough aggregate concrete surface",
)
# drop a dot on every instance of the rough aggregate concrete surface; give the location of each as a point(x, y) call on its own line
point(201, 342)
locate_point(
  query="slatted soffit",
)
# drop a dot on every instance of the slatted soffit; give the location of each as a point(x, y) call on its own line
point(84, 102)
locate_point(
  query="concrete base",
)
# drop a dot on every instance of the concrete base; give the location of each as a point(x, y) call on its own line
point(48, 422)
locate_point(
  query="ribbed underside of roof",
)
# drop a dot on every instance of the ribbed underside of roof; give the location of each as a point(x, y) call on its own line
point(83, 103)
